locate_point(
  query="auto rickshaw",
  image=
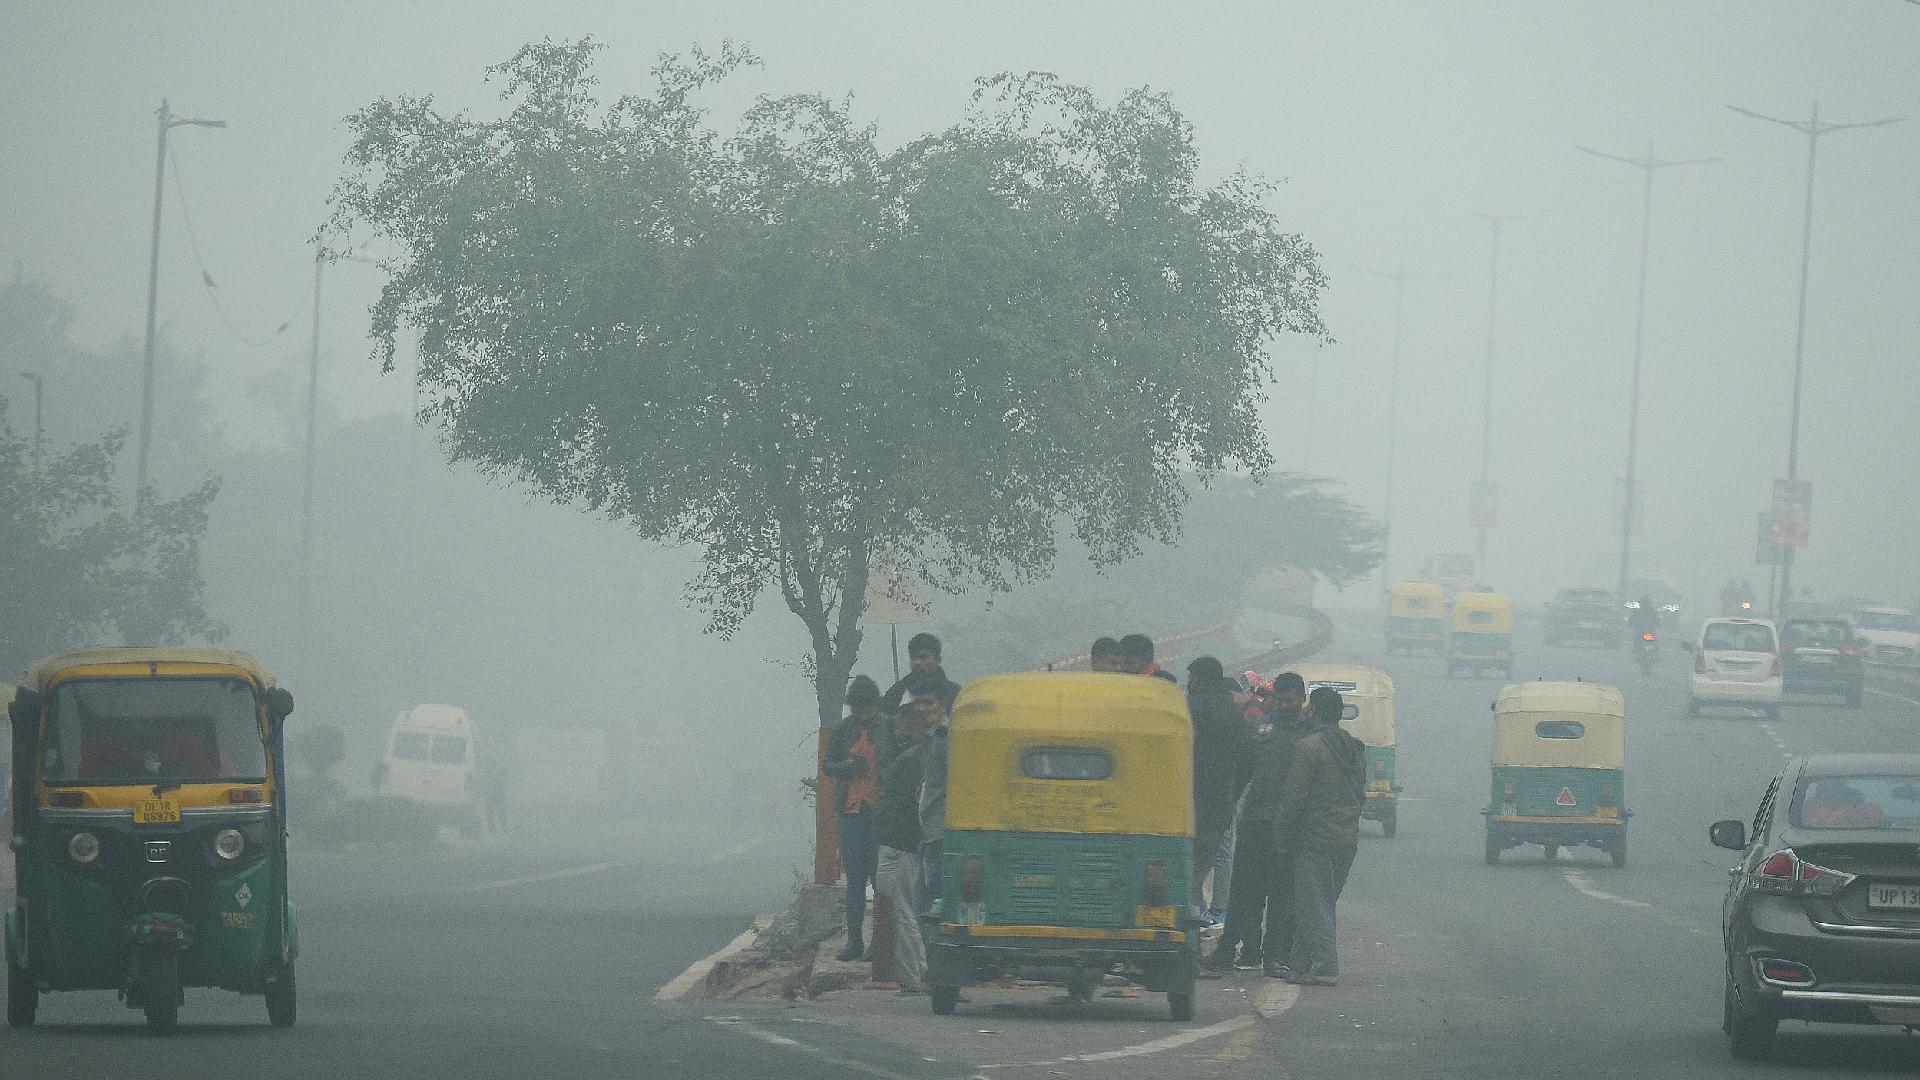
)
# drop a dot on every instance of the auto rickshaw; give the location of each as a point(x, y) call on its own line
point(1369, 717)
point(1416, 617)
point(1480, 634)
point(1069, 836)
point(1559, 769)
point(149, 835)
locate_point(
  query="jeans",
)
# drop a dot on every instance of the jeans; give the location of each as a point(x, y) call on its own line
point(1223, 870)
point(893, 885)
point(1206, 859)
point(858, 853)
point(1265, 881)
point(1318, 877)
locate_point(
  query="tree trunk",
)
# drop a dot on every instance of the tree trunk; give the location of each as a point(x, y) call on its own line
point(836, 645)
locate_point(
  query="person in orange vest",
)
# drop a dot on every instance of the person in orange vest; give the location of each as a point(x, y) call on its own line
point(853, 761)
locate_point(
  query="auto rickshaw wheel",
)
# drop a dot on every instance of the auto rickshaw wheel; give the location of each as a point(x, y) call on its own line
point(1181, 1006)
point(944, 999)
point(1493, 849)
point(1619, 853)
point(1553, 851)
point(160, 990)
point(282, 1000)
point(23, 998)
point(1389, 820)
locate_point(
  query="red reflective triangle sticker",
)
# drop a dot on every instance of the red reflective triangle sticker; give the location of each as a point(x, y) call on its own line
point(1566, 798)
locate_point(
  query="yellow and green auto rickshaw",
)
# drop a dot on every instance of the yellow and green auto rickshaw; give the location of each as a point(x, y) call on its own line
point(1369, 718)
point(1559, 769)
point(1480, 634)
point(1069, 833)
point(149, 835)
point(1416, 617)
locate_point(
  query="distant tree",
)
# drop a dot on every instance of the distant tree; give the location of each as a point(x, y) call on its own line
point(795, 349)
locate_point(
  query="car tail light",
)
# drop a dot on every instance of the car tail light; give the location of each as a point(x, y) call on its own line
point(1786, 972)
point(1648, 636)
point(1700, 662)
point(1786, 873)
point(973, 879)
point(1154, 894)
point(1776, 665)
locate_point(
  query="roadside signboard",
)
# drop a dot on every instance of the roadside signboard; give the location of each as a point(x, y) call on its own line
point(893, 596)
point(1792, 513)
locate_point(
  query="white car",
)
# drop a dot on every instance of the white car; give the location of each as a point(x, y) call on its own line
point(1737, 662)
point(1887, 635)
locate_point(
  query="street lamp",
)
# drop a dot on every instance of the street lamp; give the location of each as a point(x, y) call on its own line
point(1485, 489)
point(320, 261)
point(1647, 165)
point(1812, 127)
point(168, 122)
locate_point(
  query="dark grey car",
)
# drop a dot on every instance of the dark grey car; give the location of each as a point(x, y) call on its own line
point(1822, 916)
point(1819, 656)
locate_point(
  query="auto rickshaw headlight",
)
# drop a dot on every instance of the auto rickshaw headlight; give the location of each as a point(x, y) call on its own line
point(228, 844)
point(84, 847)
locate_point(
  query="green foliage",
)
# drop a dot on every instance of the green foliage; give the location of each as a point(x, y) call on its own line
point(792, 348)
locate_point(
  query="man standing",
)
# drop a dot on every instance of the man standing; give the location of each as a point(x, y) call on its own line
point(1104, 656)
point(923, 655)
point(1262, 879)
point(1136, 657)
point(1219, 743)
point(1318, 828)
point(896, 829)
point(853, 756)
point(933, 792)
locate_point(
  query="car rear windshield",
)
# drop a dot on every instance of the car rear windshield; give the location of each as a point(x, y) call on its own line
point(1815, 633)
point(152, 731)
point(1737, 637)
point(1858, 802)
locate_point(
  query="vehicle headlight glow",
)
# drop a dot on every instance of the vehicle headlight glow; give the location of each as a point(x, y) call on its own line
point(84, 847)
point(228, 844)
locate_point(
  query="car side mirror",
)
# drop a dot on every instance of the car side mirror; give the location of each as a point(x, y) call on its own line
point(279, 703)
point(1731, 835)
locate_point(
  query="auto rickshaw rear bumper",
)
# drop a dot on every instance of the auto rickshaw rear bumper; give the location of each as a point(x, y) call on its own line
point(1567, 832)
point(1163, 959)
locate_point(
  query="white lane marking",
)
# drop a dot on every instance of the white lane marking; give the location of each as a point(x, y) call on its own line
point(551, 875)
point(1273, 1001)
point(861, 1067)
point(1579, 881)
point(1779, 743)
point(1888, 694)
point(684, 982)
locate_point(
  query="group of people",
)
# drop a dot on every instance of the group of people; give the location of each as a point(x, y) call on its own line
point(889, 758)
point(1278, 789)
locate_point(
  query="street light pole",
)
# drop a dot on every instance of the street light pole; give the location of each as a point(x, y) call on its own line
point(1647, 165)
point(306, 478)
point(168, 122)
point(1812, 127)
point(39, 398)
point(1494, 221)
point(1399, 277)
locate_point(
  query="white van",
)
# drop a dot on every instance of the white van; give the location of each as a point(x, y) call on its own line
point(1737, 662)
point(430, 759)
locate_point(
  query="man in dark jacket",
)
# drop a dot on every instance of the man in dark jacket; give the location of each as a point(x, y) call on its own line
point(923, 656)
point(853, 759)
point(1136, 657)
point(1220, 738)
point(1262, 879)
point(896, 829)
point(1318, 829)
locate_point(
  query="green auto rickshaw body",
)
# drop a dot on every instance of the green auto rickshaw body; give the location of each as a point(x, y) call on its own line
point(1068, 836)
point(149, 830)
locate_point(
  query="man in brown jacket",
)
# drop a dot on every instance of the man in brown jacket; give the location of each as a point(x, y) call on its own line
point(1318, 826)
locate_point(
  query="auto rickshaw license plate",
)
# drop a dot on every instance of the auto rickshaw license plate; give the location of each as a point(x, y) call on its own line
point(156, 812)
point(1163, 918)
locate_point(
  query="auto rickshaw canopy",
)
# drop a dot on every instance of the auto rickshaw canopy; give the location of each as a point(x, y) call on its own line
point(1574, 724)
point(1481, 613)
point(136, 661)
point(1368, 690)
point(1417, 600)
point(1071, 752)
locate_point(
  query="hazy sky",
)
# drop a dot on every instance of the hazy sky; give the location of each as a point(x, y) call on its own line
point(1392, 123)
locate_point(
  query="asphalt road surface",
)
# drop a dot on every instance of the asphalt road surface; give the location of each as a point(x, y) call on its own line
point(514, 960)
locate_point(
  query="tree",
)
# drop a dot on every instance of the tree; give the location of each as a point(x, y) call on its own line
point(793, 348)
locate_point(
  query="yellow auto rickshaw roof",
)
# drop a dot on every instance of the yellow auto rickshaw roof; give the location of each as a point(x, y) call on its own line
point(1140, 722)
point(1598, 708)
point(1371, 696)
point(125, 661)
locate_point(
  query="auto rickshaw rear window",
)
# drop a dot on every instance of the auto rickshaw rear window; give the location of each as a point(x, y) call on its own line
point(1066, 763)
point(411, 745)
point(449, 750)
point(1560, 729)
point(1480, 616)
point(144, 731)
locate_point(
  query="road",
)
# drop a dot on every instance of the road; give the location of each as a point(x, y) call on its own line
point(517, 959)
